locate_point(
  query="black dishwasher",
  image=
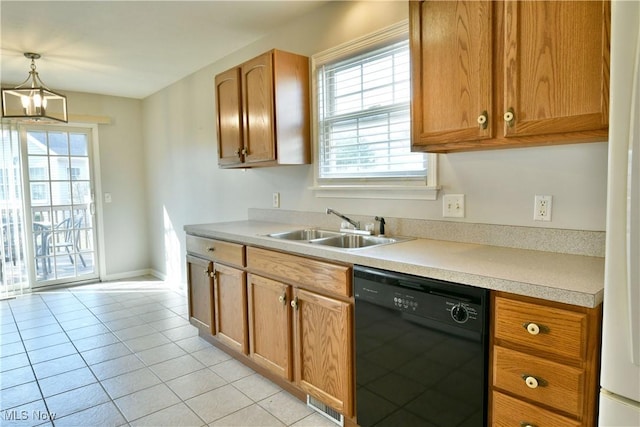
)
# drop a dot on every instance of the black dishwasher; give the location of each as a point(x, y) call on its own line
point(421, 351)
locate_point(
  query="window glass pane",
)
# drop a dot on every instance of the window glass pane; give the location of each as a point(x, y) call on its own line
point(79, 168)
point(39, 194)
point(59, 167)
point(78, 144)
point(38, 168)
point(81, 192)
point(364, 115)
point(36, 143)
point(58, 144)
point(61, 193)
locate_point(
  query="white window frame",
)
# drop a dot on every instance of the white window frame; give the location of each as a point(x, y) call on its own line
point(372, 188)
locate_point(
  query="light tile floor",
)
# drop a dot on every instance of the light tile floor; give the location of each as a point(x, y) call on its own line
point(124, 353)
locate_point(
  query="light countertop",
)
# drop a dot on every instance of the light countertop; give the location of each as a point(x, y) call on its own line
point(572, 279)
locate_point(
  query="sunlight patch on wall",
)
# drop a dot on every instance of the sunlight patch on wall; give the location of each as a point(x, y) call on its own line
point(172, 257)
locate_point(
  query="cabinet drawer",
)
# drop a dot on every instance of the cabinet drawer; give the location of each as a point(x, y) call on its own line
point(297, 270)
point(561, 332)
point(560, 386)
point(509, 412)
point(216, 250)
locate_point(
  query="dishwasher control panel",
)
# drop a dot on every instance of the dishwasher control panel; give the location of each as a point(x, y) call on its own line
point(453, 304)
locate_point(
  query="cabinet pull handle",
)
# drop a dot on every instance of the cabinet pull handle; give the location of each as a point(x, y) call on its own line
point(294, 303)
point(245, 151)
point(526, 424)
point(211, 249)
point(483, 120)
point(509, 117)
point(283, 299)
point(533, 382)
point(534, 328)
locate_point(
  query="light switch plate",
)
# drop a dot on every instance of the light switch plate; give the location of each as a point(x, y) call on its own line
point(453, 206)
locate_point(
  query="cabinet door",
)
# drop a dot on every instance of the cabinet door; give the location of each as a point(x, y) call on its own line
point(323, 349)
point(200, 287)
point(270, 324)
point(231, 307)
point(556, 69)
point(451, 53)
point(229, 117)
point(257, 106)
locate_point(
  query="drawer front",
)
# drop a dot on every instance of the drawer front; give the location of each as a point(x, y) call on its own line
point(297, 270)
point(509, 412)
point(216, 250)
point(549, 329)
point(559, 386)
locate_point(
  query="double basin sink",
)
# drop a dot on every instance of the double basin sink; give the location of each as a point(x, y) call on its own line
point(336, 239)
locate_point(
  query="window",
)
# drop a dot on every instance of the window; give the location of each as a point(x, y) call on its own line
point(363, 119)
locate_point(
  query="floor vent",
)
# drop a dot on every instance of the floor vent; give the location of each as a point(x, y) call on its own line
point(325, 410)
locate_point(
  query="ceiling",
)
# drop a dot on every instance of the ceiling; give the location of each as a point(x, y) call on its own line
point(130, 48)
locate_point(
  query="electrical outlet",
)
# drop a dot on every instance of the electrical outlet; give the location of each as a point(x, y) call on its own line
point(276, 200)
point(542, 208)
point(453, 205)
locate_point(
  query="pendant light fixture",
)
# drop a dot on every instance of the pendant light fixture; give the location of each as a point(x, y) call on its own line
point(32, 99)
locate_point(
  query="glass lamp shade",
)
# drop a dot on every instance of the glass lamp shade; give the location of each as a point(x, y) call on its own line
point(35, 103)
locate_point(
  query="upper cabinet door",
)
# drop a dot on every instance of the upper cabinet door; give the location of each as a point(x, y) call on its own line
point(556, 66)
point(451, 49)
point(229, 117)
point(258, 105)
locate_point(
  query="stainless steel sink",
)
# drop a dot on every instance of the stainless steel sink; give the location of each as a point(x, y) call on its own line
point(354, 241)
point(306, 234)
point(336, 239)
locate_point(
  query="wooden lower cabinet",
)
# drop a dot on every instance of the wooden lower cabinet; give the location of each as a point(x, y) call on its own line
point(545, 359)
point(230, 296)
point(323, 348)
point(200, 293)
point(270, 329)
point(510, 412)
point(301, 324)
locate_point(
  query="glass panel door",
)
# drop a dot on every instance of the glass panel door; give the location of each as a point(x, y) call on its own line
point(59, 181)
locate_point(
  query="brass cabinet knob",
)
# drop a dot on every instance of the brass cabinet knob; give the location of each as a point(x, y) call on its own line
point(483, 120)
point(533, 382)
point(509, 117)
point(294, 303)
point(534, 328)
point(283, 299)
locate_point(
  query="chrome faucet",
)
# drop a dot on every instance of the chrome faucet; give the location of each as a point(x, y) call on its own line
point(356, 224)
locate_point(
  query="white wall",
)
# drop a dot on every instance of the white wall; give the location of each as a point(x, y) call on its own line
point(122, 163)
point(186, 186)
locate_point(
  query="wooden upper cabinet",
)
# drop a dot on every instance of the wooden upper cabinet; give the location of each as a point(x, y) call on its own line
point(556, 71)
point(539, 69)
point(257, 106)
point(263, 112)
point(229, 126)
point(451, 69)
